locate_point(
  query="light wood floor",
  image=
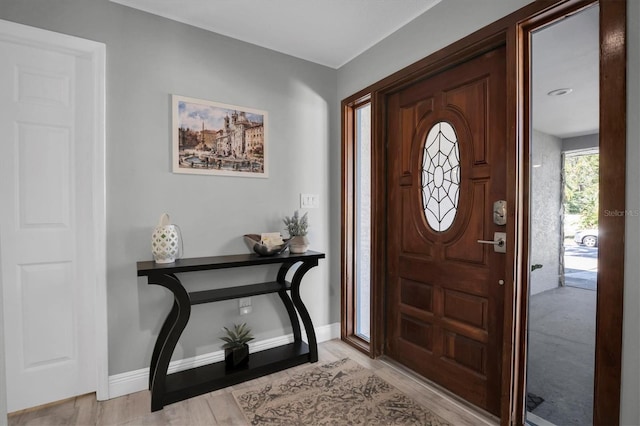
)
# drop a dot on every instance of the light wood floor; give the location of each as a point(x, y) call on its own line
point(220, 408)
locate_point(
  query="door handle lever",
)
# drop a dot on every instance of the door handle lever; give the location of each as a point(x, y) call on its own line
point(499, 242)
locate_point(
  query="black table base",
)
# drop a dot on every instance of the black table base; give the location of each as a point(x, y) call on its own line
point(169, 388)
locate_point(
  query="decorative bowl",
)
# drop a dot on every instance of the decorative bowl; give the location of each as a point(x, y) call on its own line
point(253, 241)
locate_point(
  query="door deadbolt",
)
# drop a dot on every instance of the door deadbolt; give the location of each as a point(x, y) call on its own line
point(500, 212)
point(499, 242)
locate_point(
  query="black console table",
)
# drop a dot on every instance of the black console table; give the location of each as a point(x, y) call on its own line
point(167, 389)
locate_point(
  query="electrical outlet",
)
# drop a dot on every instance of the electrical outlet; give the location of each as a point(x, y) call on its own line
point(244, 304)
point(309, 201)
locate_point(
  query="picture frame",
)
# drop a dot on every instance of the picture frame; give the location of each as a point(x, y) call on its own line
point(212, 138)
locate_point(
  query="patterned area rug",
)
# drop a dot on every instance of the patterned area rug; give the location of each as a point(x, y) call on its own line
point(338, 393)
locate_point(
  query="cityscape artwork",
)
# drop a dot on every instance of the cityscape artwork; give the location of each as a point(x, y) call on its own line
point(211, 138)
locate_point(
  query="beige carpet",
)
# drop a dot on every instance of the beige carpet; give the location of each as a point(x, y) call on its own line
point(339, 393)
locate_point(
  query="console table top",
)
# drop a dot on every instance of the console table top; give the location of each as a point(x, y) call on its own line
point(149, 267)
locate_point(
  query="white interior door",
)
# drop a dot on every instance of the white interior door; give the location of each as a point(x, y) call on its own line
point(47, 249)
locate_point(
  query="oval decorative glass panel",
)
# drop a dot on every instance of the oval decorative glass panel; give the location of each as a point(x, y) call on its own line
point(440, 176)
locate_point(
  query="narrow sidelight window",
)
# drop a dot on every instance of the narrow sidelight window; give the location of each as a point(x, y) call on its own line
point(357, 232)
point(363, 220)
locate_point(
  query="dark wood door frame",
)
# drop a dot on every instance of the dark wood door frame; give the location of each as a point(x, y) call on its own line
point(513, 31)
point(612, 148)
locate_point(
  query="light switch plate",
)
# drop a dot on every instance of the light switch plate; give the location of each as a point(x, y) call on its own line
point(309, 201)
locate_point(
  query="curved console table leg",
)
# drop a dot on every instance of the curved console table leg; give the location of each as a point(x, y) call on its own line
point(282, 272)
point(174, 328)
point(286, 300)
point(293, 316)
point(302, 310)
point(161, 340)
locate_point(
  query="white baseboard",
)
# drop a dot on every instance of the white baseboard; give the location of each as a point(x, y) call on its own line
point(326, 332)
point(138, 380)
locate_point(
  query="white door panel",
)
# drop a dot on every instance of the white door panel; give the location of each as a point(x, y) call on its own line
point(44, 176)
point(47, 339)
point(44, 215)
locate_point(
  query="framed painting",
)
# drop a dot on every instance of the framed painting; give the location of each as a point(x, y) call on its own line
point(211, 138)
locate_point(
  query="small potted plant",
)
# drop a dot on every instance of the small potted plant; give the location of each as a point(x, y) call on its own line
point(236, 350)
point(297, 227)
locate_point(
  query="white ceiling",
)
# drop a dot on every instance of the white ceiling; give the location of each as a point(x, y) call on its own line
point(332, 32)
point(566, 55)
point(327, 32)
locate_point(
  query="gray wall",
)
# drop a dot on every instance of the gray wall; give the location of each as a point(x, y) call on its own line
point(451, 20)
point(3, 376)
point(445, 23)
point(581, 142)
point(630, 410)
point(546, 151)
point(148, 59)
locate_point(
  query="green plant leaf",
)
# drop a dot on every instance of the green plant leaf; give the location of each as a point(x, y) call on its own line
point(296, 225)
point(238, 335)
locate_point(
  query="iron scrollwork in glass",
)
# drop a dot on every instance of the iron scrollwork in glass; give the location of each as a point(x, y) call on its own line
point(441, 176)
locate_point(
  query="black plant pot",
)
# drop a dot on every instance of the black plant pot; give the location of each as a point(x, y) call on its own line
point(237, 357)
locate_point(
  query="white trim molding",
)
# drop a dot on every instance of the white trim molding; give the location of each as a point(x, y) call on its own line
point(138, 380)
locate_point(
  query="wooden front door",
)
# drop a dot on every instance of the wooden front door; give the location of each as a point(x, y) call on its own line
point(446, 168)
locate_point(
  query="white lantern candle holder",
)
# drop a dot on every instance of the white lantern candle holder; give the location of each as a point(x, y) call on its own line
point(166, 242)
